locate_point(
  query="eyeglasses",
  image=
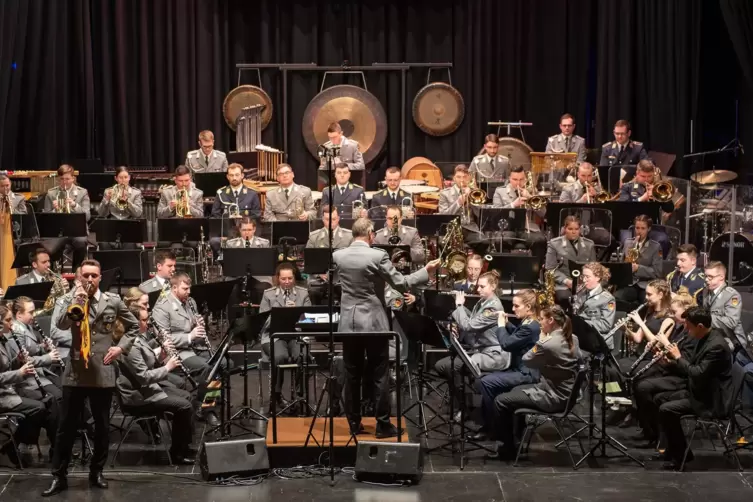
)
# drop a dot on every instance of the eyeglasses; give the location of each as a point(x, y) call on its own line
point(283, 173)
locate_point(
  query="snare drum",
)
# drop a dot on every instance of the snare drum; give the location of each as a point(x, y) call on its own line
point(419, 189)
point(411, 183)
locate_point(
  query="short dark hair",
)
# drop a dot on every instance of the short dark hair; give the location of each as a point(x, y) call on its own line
point(394, 208)
point(334, 127)
point(646, 166)
point(622, 123)
point(460, 168)
point(491, 138)
point(392, 170)
point(181, 171)
point(715, 264)
point(34, 255)
point(4, 177)
point(163, 254)
point(89, 262)
point(247, 220)
point(567, 116)
point(645, 218)
point(121, 169)
point(688, 249)
point(65, 169)
point(180, 277)
point(234, 165)
point(698, 316)
point(518, 169)
point(286, 265)
point(341, 165)
point(19, 304)
point(325, 209)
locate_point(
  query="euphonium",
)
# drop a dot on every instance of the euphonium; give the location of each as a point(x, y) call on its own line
point(534, 201)
point(663, 191)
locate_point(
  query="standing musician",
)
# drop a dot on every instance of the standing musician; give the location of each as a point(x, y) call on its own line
point(489, 166)
point(290, 201)
point(68, 197)
point(622, 150)
point(88, 373)
point(144, 387)
point(408, 235)
point(363, 272)
point(350, 154)
point(473, 267)
point(182, 199)
point(645, 255)
point(571, 246)
point(687, 276)
point(514, 195)
point(121, 202)
point(555, 357)
point(248, 238)
point(34, 412)
point(566, 141)
point(593, 303)
point(392, 195)
point(16, 202)
point(232, 199)
point(164, 261)
point(477, 328)
point(344, 193)
point(452, 200)
point(341, 237)
point(206, 159)
point(284, 294)
point(515, 341)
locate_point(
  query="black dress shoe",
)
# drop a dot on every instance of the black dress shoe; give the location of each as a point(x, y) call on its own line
point(503, 454)
point(98, 481)
point(211, 419)
point(386, 431)
point(59, 484)
point(12, 455)
point(357, 429)
point(182, 459)
point(478, 436)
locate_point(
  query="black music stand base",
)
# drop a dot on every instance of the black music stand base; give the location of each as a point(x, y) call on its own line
point(302, 390)
point(421, 403)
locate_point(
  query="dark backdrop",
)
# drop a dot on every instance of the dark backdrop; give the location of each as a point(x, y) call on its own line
point(132, 82)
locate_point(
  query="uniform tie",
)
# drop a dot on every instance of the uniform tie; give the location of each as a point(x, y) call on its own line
point(206, 159)
point(342, 190)
point(394, 198)
point(287, 194)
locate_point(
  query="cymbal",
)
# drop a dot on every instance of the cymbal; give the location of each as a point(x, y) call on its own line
point(708, 177)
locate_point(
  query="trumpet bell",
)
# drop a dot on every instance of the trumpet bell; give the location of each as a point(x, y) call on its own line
point(76, 312)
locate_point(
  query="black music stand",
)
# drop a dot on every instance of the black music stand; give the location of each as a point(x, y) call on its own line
point(62, 225)
point(434, 224)
point(153, 297)
point(623, 213)
point(25, 225)
point(96, 183)
point(316, 260)
point(239, 262)
point(39, 291)
point(516, 269)
point(54, 248)
point(297, 230)
point(213, 296)
point(182, 229)
point(209, 183)
point(109, 277)
point(119, 231)
point(440, 305)
point(131, 262)
point(223, 227)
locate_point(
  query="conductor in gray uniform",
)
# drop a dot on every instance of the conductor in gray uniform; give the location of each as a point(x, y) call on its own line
point(570, 246)
point(127, 204)
point(647, 266)
point(17, 201)
point(206, 159)
point(490, 166)
point(408, 235)
point(363, 272)
point(288, 202)
point(67, 197)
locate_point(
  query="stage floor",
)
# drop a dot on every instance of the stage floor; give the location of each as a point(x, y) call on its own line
point(293, 431)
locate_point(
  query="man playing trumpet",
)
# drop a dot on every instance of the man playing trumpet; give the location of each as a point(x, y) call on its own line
point(181, 200)
point(8, 199)
point(452, 200)
point(68, 198)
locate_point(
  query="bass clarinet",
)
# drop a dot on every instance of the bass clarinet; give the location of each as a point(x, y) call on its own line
point(199, 320)
point(162, 337)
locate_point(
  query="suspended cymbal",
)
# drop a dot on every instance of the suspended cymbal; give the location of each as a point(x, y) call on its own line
point(438, 109)
point(243, 96)
point(359, 113)
point(709, 177)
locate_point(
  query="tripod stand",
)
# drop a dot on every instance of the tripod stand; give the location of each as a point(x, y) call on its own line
point(302, 388)
point(247, 412)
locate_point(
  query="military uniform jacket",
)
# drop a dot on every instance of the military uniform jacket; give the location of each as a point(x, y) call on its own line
point(384, 198)
point(497, 167)
point(39, 357)
point(632, 153)
point(153, 284)
point(254, 242)
point(80, 197)
point(247, 200)
point(649, 261)
point(408, 237)
point(342, 237)
point(9, 399)
point(102, 318)
point(17, 203)
point(274, 298)
point(694, 282)
point(134, 209)
point(560, 250)
point(29, 278)
point(350, 154)
point(597, 308)
point(278, 207)
point(725, 306)
point(172, 315)
point(196, 161)
point(478, 327)
point(195, 202)
point(572, 193)
point(505, 195)
point(143, 374)
point(363, 273)
point(557, 366)
point(448, 201)
point(517, 341)
point(559, 144)
point(344, 200)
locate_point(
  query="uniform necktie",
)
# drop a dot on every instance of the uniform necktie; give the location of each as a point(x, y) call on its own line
point(567, 143)
point(491, 163)
point(235, 194)
point(287, 193)
point(342, 190)
point(394, 198)
point(206, 159)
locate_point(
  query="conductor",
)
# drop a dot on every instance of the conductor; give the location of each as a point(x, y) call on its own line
point(363, 272)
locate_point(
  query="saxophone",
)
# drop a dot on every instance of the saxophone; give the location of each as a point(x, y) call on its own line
point(545, 296)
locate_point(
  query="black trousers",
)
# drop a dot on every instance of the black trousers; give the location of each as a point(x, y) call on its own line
point(286, 351)
point(376, 364)
point(74, 399)
point(35, 416)
point(509, 428)
point(53, 408)
point(177, 402)
point(80, 247)
point(670, 412)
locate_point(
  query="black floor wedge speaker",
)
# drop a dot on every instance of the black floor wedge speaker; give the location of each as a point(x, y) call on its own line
point(389, 462)
point(242, 457)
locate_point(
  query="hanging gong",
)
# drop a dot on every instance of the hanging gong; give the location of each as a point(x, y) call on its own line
point(358, 112)
point(519, 152)
point(438, 109)
point(243, 96)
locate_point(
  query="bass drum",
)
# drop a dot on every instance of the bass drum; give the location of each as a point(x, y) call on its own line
point(742, 268)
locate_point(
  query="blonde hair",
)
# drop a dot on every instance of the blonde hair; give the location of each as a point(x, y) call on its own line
point(529, 299)
point(599, 271)
point(206, 135)
point(132, 296)
point(684, 300)
point(492, 276)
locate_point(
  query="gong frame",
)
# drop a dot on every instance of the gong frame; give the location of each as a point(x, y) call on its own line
point(285, 68)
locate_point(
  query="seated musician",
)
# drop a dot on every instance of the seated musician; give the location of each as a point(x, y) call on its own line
point(121, 202)
point(68, 197)
point(248, 238)
point(289, 202)
point(17, 201)
point(206, 159)
point(341, 237)
point(40, 268)
point(284, 294)
point(514, 195)
point(408, 236)
point(477, 328)
point(234, 198)
point(177, 313)
point(516, 341)
point(687, 276)
point(622, 150)
point(134, 296)
point(555, 357)
point(473, 267)
point(655, 317)
point(583, 190)
point(344, 193)
point(566, 141)
point(645, 255)
point(35, 413)
point(144, 388)
point(593, 303)
point(183, 200)
point(571, 246)
point(490, 166)
point(452, 200)
point(164, 262)
point(640, 189)
point(392, 195)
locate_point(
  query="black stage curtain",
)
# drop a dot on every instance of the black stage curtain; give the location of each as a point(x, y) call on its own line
point(133, 82)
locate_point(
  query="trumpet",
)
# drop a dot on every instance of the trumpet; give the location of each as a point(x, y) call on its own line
point(6, 206)
point(62, 200)
point(182, 204)
point(119, 196)
point(80, 302)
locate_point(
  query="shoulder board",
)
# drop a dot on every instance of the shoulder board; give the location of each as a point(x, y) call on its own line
point(638, 143)
point(193, 153)
point(270, 289)
point(552, 138)
point(606, 145)
point(577, 137)
point(587, 240)
point(356, 185)
point(701, 275)
point(161, 299)
point(526, 322)
point(221, 154)
point(300, 288)
point(384, 192)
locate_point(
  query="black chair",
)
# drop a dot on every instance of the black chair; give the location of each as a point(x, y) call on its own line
point(136, 416)
point(555, 418)
point(12, 420)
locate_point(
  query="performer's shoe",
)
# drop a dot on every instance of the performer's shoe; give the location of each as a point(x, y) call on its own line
point(502, 453)
point(385, 431)
point(97, 480)
point(59, 484)
point(210, 418)
point(357, 429)
point(182, 458)
point(481, 435)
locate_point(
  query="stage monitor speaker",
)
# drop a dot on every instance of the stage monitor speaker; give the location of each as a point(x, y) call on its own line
point(239, 457)
point(389, 462)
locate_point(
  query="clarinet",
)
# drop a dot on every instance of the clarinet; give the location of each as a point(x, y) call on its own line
point(639, 361)
point(161, 338)
point(663, 352)
point(48, 342)
point(622, 322)
point(25, 359)
point(199, 320)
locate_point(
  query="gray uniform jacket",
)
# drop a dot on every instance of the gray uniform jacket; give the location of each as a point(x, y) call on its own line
point(172, 315)
point(195, 202)
point(726, 308)
point(558, 366)
point(152, 285)
point(478, 328)
point(254, 242)
point(280, 208)
point(505, 195)
point(29, 278)
point(18, 203)
point(134, 208)
point(80, 197)
point(196, 161)
point(341, 238)
point(9, 399)
point(39, 357)
point(559, 144)
point(497, 167)
point(649, 261)
point(275, 297)
point(560, 250)
point(349, 154)
point(408, 237)
point(632, 153)
point(448, 201)
point(363, 272)
point(572, 193)
point(102, 318)
point(597, 308)
point(141, 370)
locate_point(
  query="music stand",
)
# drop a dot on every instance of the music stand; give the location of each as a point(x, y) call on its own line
point(62, 225)
point(153, 297)
point(25, 225)
point(284, 319)
point(54, 248)
point(96, 183)
point(131, 262)
point(108, 278)
point(209, 183)
point(433, 224)
point(213, 295)
point(440, 305)
point(315, 260)
point(182, 229)
point(516, 268)
point(119, 231)
point(39, 291)
point(238, 262)
point(298, 230)
point(222, 227)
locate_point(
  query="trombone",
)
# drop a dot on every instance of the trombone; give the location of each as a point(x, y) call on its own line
point(662, 191)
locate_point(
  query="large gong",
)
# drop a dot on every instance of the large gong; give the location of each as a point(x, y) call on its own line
point(243, 96)
point(438, 109)
point(358, 112)
point(519, 152)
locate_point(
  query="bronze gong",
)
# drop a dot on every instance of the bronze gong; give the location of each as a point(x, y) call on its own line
point(359, 113)
point(438, 109)
point(519, 152)
point(243, 96)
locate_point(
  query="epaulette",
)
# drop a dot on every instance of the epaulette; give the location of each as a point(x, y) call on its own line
point(193, 153)
point(637, 143)
point(606, 145)
point(270, 289)
point(527, 322)
point(355, 185)
point(384, 192)
point(671, 275)
point(576, 136)
point(221, 154)
point(552, 138)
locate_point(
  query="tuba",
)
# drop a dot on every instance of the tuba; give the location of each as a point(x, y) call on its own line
point(183, 204)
